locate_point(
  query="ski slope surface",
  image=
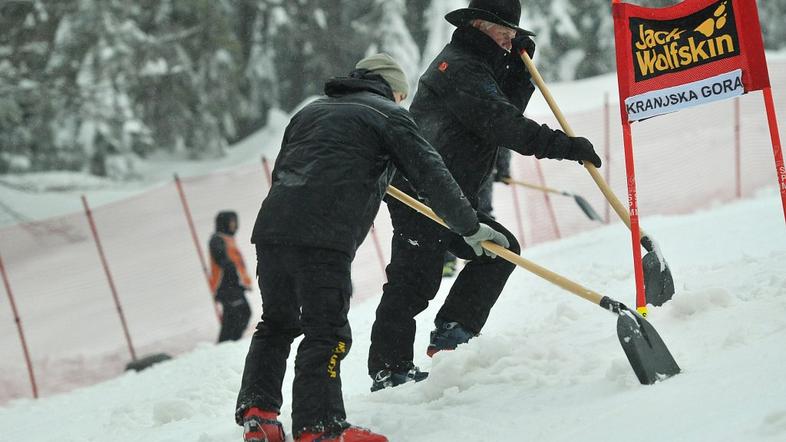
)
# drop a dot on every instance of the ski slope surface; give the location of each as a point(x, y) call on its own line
point(548, 365)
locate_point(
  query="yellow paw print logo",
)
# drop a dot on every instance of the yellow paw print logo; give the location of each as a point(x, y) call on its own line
point(717, 21)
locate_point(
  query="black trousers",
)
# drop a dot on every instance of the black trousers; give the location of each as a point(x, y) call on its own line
point(235, 316)
point(414, 275)
point(304, 291)
point(485, 196)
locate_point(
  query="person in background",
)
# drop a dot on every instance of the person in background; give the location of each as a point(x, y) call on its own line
point(229, 280)
point(470, 102)
point(335, 163)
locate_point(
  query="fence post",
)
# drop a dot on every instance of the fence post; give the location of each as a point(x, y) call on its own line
point(268, 175)
point(548, 200)
point(607, 147)
point(737, 149)
point(780, 167)
point(19, 329)
point(109, 277)
point(195, 238)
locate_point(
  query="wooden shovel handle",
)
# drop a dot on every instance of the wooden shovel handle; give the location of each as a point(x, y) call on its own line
point(497, 249)
point(622, 212)
point(534, 186)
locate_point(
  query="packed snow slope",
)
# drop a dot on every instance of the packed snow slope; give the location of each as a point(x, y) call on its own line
point(548, 365)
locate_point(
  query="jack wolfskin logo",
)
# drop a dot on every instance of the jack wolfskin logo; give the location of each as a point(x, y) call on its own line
point(716, 22)
point(332, 368)
point(662, 47)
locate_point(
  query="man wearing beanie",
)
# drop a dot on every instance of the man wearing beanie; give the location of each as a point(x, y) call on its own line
point(384, 65)
point(469, 103)
point(336, 160)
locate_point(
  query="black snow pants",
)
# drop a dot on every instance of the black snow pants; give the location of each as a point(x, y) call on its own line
point(304, 291)
point(414, 275)
point(235, 316)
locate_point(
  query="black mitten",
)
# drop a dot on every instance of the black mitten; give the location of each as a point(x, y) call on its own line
point(581, 150)
point(572, 148)
point(523, 42)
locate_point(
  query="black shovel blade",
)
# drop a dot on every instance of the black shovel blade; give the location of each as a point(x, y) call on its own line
point(646, 352)
point(587, 209)
point(658, 283)
point(147, 361)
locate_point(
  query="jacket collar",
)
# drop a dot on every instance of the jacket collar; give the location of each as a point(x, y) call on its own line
point(479, 44)
point(358, 81)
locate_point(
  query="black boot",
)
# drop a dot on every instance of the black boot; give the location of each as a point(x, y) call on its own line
point(447, 336)
point(388, 378)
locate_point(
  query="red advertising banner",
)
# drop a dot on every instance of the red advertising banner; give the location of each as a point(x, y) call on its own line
point(692, 53)
point(668, 59)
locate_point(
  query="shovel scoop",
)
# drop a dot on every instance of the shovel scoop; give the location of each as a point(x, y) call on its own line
point(658, 282)
point(647, 353)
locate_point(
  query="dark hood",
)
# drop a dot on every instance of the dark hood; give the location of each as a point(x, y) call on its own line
point(359, 80)
point(222, 221)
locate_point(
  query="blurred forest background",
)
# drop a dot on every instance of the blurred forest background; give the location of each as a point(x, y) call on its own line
point(95, 85)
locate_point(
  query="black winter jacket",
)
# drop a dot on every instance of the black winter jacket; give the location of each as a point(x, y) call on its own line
point(470, 102)
point(336, 160)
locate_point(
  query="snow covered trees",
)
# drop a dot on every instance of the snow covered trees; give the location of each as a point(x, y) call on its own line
point(95, 84)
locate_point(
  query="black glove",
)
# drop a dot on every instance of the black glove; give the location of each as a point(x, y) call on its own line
point(485, 233)
point(523, 42)
point(581, 150)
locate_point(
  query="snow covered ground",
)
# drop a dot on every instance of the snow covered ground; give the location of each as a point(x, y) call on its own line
point(548, 365)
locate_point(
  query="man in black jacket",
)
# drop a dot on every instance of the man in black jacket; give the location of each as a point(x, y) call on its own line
point(335, 163)
point(469, 103)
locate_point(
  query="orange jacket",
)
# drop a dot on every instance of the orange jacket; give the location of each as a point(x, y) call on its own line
point(226, 262)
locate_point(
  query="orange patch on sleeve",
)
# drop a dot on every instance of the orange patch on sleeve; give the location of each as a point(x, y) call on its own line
point(443, 66)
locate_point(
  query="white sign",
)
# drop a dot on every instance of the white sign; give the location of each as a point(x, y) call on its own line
point(664, 101)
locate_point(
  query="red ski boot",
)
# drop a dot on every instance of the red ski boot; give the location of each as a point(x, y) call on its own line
point(351, 434)
point(262, 426)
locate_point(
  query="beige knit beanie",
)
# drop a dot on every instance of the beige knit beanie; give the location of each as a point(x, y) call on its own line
point(384, 65)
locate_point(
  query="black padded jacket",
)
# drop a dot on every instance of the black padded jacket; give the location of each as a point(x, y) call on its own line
point(337, 158)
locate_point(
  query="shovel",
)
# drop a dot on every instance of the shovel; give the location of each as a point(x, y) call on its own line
point(583, 204)
point(658, 282)
point(644, 348)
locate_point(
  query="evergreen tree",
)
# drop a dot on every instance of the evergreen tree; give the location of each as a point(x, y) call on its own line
point(258, 84)
point(388, 33)
point(314, 40)
point(31, 95)
point(772, 15)
point(417, 21)
point(85, 83)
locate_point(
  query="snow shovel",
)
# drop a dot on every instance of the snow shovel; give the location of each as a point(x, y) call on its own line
point(658, 282)
point(147, 361)
point(583, 204)
point(646, 351)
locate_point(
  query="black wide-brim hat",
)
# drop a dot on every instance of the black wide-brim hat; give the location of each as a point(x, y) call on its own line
point(502, 12)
